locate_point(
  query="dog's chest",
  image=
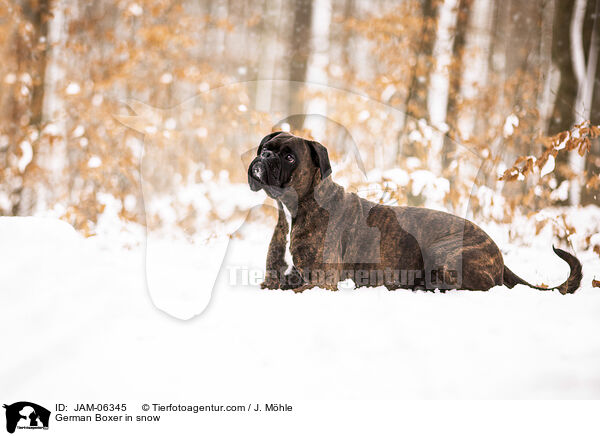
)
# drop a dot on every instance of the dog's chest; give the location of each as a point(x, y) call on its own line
point(288, 240)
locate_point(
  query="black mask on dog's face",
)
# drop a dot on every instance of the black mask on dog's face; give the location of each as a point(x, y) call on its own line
point(272, 168)
point(285, 162)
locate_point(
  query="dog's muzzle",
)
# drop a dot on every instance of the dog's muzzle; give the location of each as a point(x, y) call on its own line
point(265, 174)
point(258, 175)
point(266, 170)
point(259, 172)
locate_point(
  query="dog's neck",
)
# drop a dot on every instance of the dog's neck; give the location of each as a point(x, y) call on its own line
point(322, 196)
point(319, 195)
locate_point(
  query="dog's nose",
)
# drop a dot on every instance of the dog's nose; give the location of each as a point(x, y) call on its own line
point(258, 171)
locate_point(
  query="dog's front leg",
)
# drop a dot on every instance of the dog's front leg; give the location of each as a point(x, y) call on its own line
point(275, 277)
point(318, 265)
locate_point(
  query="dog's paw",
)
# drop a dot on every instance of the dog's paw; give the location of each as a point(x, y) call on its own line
point(270, 284)
point(303, 288)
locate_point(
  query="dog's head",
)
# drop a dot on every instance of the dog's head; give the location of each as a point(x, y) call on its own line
point(287, 165)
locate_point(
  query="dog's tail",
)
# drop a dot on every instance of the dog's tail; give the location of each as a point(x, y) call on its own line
point(568, 287)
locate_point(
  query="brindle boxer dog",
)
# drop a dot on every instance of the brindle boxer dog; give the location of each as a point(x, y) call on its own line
point(337, 235)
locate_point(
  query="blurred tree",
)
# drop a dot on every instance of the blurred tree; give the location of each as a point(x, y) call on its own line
point(23, 132)
point(299, 55)
point(439, 88)
point(498, 76)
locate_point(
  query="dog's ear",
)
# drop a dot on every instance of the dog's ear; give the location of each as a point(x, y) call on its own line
point(320, 157)
point(265, 140)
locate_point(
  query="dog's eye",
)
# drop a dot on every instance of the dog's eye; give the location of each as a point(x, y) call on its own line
point(290, 158)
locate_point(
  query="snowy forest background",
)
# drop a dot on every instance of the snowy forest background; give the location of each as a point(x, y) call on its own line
point(486, 103)
point(126, 127)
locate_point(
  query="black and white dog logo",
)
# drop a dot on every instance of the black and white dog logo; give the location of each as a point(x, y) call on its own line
point(26, 415)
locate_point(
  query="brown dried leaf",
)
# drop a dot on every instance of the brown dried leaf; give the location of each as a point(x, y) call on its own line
point(528, 168)
point(510, 175)
point(520, 159)
point(585, 146)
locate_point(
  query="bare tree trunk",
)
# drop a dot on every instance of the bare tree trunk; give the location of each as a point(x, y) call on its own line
point(477, 47)
point(591, 195)
point(266, 66)
point(300, 51)
point(549, 74)
point(562, 115)
point(55, 159)
point(585, 74)
point(455, 78)
point(439, 83)
point(412, 106)
point(317, 67)
point(37, 13)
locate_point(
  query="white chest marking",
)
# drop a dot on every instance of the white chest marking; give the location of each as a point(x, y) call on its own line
point(288, 241)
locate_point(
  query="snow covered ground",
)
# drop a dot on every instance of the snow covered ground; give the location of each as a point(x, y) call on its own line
point(79, 325)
